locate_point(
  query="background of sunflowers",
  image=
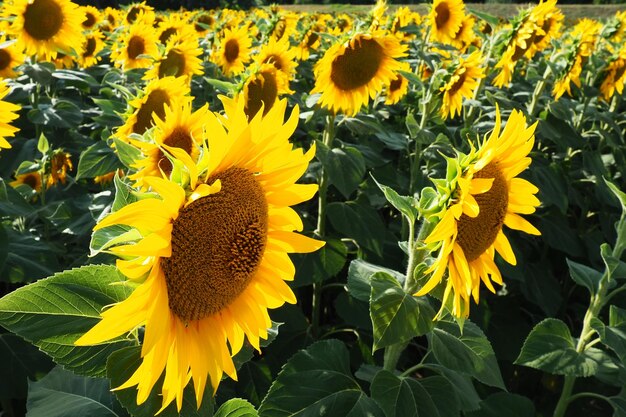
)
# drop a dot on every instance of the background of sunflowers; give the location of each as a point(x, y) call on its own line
point(357, 341)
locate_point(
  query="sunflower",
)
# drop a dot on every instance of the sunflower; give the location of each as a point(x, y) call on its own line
point(11, 56)
point(615, 76)
point(151, 102)
point(465, 36)
point(234, 51)
point(8, 113)
point(93, 45)
point(173, 25)
point(464, 79)
point(60, 164)
point(280, 55)
point(43, 27)
point(198, 306)
point(485, 195)
point(136, 48)
point(549, 20)
point(311, 41)
point(139, 12)
point(445, 18)
point(180, 59)
point(398, 87)
point(92, 17)
point(203, 22)
point(31, 179)
point(350, 73)
point(179, 131)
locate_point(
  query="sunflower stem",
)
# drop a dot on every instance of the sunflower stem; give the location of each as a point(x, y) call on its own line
point(316, 308)
point(538, 90)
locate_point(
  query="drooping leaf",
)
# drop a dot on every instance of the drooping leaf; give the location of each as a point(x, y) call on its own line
point(585, 276)
point(98, 159)
point(236, 407)
point(404, 204)
point(359, 275)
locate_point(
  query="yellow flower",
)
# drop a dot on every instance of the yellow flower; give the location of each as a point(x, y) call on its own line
point(44, 27)
point(139, 12)
point(352, 72)
point(261, 89)
point(202, 19)
point(615, 76)
point(212, 259)
point(11, 56)
point(234, 51)
point(32, 179)
point(93, 45)
point(310, 41)
point(446, 18)
point(136, 48)
point(92, 17)
point(180, 59)
point(398, 87)
point(60, 163)
point(8, 113)
point(486, 195)
point(463, 81)
point(280, 55)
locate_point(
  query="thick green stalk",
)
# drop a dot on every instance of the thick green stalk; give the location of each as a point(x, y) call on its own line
point(538, 90)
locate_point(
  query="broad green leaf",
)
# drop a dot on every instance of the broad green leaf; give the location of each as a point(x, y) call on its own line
point(411, 125)
point(550, 348)
point(123, 363)
point(618, 403)
point(616, 268)
point(469, 353)
point(253, 381)
point(358, 222)
point(402, 397)
point(404, 204)
point(505, 404)
point(127, 153)
point(619, 194)
point(585, 276)
point(42, 145)
point(124, 194)
point(21, 362)
point(345, 167)
point(63, 394)
point(359, 274)
point(53, 313)
point(492, 20)
point(321, 265)
point(236, 407)
point(461, 393)
point(98, 159)
point(222, 86)
point(613, 336)
point(617, 316)
point(317, 381)
point(397, 316)
point(443, 394)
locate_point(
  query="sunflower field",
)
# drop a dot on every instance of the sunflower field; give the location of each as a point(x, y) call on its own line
point(278, 213)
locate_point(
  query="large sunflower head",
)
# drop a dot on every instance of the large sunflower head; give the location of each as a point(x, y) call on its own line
point(151, 102)
point(210, 257)
point(136, 48)
point(45, 27)
point(11, 56)
point(445, 18)
point(464, 77)
point(262, 88)
point(352, 72)
point(234, 51)
point(8, 113)
point(482, 195)
point(179, 59)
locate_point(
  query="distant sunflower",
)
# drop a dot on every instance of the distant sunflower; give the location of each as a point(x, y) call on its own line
point(32, 179)
point(94, 43)
point(463, 80)
point(180, 59)
point(139, 12)
point(234, 51)
point(60, 164)
point(614, 76)
point(446, 18)
point(11, 56)
point(280, 55)
point(8, 113)
point(44, 27)
point(136, 48)
point(150, 102)
point(351, 73)
point(203, 22)
point(92, 17)
point(198, 306)
point(397, 88)
point(485, 195)
point(311, 41)
point(465, 36)
point(261, 89)
point(173, 25)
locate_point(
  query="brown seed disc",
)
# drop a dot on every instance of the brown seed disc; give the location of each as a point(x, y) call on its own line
point(173, 64)
point(262, 90)
point(165, 35)
point(274, 60)
point(179, 138)
point(90, 47)
point(89, 21)
point(43, 19)
point(443, 15)
point(458, 83)
point(231, 50)
point(5, 59)
point(396, 83)
point(155, 103)
point(136, 46)
point(358, 65)
point(218, 242)
point(478, 233)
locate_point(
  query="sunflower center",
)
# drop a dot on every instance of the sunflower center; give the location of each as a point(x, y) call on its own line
point(231, 50)
point(43, 19)
point(90, 47)
point(476, 234)
point(518, 53)
point(165, 35)
point(262, 90)
point(31, 180)
point(312, 37)
point(218, 242)
point(358, 65)
point(456, 86)
point(618, 72)
point(204, 19)
point(132, 15)
point(89, 21)
point(173, 64)
point(136, 46)
point(155, 103)
point(280, 28)
point(442, 15)
point(5, 59)
point(274, 60)
point(179, 138)
point(396, 83)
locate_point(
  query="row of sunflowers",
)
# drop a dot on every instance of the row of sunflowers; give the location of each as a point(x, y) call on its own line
point(279, 213)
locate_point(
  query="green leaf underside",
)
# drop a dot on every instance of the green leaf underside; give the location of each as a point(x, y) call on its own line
point(236, 407)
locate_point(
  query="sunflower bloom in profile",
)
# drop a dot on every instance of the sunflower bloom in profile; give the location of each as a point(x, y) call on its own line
point(464, 80)
point(8, 113)
point(352, 72)
point(446, 18)
point(485, 195)
point(212, 257)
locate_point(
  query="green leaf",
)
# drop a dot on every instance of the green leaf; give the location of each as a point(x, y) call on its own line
point(63, 394)
point(359, 274)
point(53, 313)
point(469, 353)
point(123, 363)
point(614, 336)
point(98, 159)
point(127, 153)
point(505, 404)
point(317, 381)
point(21, 361)
point(462, 393)
point(618, 403)
point(223, 86)
point(616, 269)
point(322, 264)
point(585, 276)
point(550, 348)
point(236, 407)
point(402, 397)
point(617, 316)
point(404, 204)
point(411, 125)
point(443, 394)
point(124, 194)
point(619, 194)
point(359, 222)
point(492, 20)
point(42, 144)
point(345, 167)
point(397, 316)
